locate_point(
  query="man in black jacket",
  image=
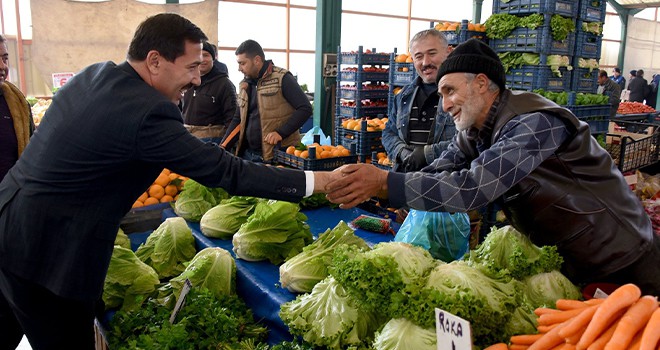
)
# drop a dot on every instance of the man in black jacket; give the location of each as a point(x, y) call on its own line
point(209, 107)
point(638, 87)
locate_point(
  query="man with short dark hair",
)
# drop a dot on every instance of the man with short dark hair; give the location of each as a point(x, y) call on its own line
point(638, 87)
point(618, 78)
point(107, 135)
point(608, 87)
point(538, 161)
point(209, 108)
point(271, 107)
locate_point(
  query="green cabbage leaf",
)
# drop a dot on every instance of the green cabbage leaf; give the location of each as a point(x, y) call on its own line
point(196, 199)
point(401, 334)
point(212, 268)
point(129, 281)
point(122, 239)
point(223, 220)
point(168, 247)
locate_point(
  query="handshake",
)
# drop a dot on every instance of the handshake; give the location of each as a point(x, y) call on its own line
point(351, 184)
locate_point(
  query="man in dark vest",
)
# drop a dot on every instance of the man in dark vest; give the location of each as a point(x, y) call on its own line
point(538, 161)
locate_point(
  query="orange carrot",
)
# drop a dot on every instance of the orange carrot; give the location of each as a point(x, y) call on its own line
point(559, 317)
point(632, 321)
point(600, 342)
point(546, 329)
point(651, 334)
point(525, 339)
point(498, 346)
point(567, 346)
point(518, 347)
point(594, 301)
point(570, 304)
point(548, 340)
point(636, 342)
point(620, 299)
point(540, 311)
point(579, 322)
point(575, 338)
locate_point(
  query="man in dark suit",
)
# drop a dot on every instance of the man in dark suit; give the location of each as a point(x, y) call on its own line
point(107, 135)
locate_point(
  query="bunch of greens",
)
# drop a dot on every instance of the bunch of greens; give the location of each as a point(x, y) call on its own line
point(561, 26)
point(512, 59)
point(128, 282)
point(590, 63)
point(205, 322)
point(196, 199)
point(581, 99)
point(372, 277)
point(507, 252)
point(557, 61)
point(593, 27)
point(300, 273)
point(400, 334)
point(223, 220)
point(168, 247)
point(560, 98)
point(212, 268)
point(532, 21)
point(122, 239)
point(543, 289)
point(316, 200)
point(500, 25)
point(327, 317)
point(276, 231)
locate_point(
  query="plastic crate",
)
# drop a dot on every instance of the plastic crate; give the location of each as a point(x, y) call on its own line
point(588, 45)
point(566, 8)
point(360, 77)
point(365, 142)
point(583, 80)
point(534, 40)
point(360, 57)
point(587, 111)
point(361, 94)
point(598, 126)
point(358, 112)
point(633, 145)
point(590, 13)
point(537, 77)
point(312, 163)
point(399, 77)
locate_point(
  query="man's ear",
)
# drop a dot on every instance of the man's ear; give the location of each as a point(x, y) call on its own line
point(153, 61)
point(482, 82)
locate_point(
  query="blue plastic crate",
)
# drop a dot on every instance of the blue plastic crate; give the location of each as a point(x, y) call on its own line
point(399, 77)
point(361, 94)
point(365, 142)
point(588, 45)
point(355, 112)
point(566, 8)
point(592, 10)
point(583, 80)
point(537, 77)
point(360, 77)
point(456, 37)
point(281, 157)
point(598, 126)
point(363, 58)
point(537, 40)
point(590, 111)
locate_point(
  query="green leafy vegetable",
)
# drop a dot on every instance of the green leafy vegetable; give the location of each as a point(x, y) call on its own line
point(212, 268)
point(561, 26)
point(532, 21)
point(275, 232)
point(315, 201)
point(196, 199)
point(401, 334)
point(328, 317)
point(500, 25)
point(593, 27)
point(122, 239)
point(543, 289)
point(168, 247)
point(300, 273)
point(128, 282)
point(223, 220)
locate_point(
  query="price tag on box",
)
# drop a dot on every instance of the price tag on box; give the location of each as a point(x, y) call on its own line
point(453, 332)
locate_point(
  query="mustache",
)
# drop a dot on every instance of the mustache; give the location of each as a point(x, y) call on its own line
point(429, 66)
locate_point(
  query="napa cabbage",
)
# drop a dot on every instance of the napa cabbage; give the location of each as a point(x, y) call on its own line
point(129, 281)
point(168, 247)
point(196, 199)
point(212, 268)
point(223, 220)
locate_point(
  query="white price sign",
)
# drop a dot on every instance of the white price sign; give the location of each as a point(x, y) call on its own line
point(453, 332)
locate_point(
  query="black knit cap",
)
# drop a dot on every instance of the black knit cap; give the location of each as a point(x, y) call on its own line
point(208, 47)
point(474, 56)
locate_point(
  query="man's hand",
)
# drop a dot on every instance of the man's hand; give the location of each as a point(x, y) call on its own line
point(415, 160)
point(356, 184)
point(273, 138)
point(323, 178)
point(405, 153)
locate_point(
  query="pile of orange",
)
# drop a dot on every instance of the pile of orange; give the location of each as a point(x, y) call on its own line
point(165, 189)
point(373, 124)
point(322, 151)
point(383, 159)
point(454, 26)
point(403, 58)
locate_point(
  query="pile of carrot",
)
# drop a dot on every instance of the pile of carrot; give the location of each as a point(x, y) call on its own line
point(623, 320)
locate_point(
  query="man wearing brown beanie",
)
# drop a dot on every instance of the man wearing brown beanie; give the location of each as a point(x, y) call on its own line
point(537, 161)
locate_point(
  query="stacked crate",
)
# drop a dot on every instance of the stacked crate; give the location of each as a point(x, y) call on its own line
point(362, 93)
point(401, 74)
point(462, 34)
point(588, 44)
point(539, 40)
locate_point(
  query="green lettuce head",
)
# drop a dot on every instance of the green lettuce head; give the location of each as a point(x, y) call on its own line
point(168, 247)
point(212, 268)
point(223, 220)
point(128, 282)
point(196, 199)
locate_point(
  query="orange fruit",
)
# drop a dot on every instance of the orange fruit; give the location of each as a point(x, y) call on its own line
point(327, 148)
point(345, 152)
point(176, 197)
point(326, 154)
point(381, 155)
point(290, 150)
point(165, 171)
point(173, 176)
point(171, 190)
point(304, 154)
point(297, 153)
point(162, 179)
point(409, 59)
point(143, 196)
point(137, 204)
point(166, 198)
point(336, 152)
point(151, 201)
point(157, 191)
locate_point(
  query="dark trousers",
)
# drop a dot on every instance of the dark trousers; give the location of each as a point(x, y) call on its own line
point(47, 320)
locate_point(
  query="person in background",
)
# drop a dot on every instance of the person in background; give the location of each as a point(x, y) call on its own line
point(552, 179)
point(618, 78)
point(638, 87)
point(418, 131)
point(209, 107)
point(633, 74)
point(271, 107)
point(652, 96)
point(107, 135)
point(16, 123)
point(608, 87)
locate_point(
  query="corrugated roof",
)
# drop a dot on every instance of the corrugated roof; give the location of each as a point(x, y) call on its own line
point(638, 4)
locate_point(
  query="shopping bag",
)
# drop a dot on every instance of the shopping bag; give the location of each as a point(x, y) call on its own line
point(445, 235)
point(322, 140)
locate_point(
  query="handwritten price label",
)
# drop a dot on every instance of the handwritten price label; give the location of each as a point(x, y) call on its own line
point(453, 332)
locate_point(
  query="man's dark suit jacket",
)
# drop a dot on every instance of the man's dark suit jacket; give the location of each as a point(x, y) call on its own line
point(104, 139)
